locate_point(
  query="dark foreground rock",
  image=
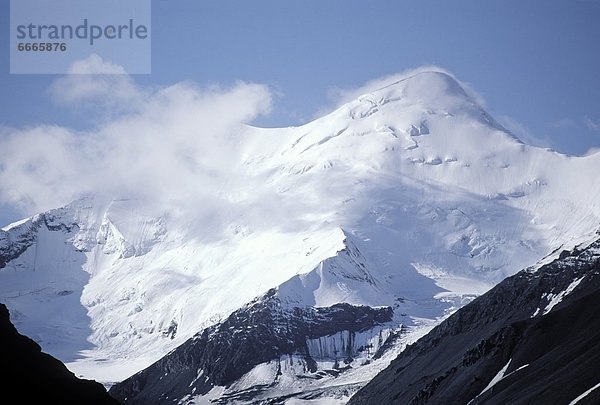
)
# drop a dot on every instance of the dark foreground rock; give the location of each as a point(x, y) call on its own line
point(30, 376)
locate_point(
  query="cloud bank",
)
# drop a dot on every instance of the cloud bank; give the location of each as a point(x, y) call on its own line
point(177, 143)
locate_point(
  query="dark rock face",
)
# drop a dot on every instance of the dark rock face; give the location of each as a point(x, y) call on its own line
point(259, 332)
point(15, 242)
point(553, 354)
point(46, 379)
point(11, 249)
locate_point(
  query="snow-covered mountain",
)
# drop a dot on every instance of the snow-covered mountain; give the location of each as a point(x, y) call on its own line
point(410, 197)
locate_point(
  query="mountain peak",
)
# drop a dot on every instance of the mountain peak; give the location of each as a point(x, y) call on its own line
point(428, 80)
point(427, 91)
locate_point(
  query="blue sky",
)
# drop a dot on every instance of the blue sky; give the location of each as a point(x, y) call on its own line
point(536, 63)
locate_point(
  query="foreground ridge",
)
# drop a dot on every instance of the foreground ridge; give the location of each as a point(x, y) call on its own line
point(44, 378)
point(531, 339)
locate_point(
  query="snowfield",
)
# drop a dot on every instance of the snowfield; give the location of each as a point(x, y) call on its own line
point(411, 196)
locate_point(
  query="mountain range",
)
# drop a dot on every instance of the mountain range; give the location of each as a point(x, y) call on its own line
point(330, 249)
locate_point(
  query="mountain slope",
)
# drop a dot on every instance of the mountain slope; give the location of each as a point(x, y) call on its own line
point(410, 197)
point(531, 339)
point(262, 332)
point(33, 376)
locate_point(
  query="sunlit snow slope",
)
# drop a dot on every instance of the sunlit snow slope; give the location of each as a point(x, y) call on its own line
point(410, 196)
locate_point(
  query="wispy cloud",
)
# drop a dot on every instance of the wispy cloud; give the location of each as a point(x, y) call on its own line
point(577, 124)
point(564, 123)
point(592, 125)
point(583, 123)
point(523, 133)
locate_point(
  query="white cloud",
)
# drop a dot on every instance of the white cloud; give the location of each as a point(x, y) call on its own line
point(95, 65)
point(98, 85)
point(176, 143)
